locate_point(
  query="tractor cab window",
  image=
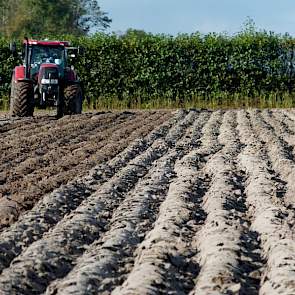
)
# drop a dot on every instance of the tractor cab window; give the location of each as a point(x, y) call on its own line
point(47, 54)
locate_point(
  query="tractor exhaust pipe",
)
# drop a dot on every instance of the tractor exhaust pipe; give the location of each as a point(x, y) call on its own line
point(27, 72)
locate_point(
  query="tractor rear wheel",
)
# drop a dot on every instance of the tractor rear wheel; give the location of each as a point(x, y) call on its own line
point(60, 109)
point(73, 99)
point(22, 99)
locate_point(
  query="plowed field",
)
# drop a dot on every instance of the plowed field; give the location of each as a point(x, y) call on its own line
point(190, 202)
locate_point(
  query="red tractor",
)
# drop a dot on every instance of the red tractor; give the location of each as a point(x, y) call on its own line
point(45, 79)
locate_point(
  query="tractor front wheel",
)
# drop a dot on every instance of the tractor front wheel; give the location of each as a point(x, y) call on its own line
point(73, 99)
point(22, 99)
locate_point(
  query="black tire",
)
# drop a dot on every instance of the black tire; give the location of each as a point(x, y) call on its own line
point(22, 99)
point(60, 106)
point(73, 99)
point(60, 110)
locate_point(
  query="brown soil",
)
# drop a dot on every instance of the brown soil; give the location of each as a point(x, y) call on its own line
point(194, 202)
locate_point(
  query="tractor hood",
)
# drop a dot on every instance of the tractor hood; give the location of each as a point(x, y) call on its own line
point(48, 71)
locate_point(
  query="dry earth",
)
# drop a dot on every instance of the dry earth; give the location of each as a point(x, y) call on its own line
point(192, 202)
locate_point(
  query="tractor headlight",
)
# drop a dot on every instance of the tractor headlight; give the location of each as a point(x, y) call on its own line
point(49, 81)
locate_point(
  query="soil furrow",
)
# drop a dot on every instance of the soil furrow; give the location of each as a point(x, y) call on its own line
point(28, 125)
point(286, 126)
point(40, 150)
point(280, 154)
point(280, 132)
point(53, 256)
point(24, 124)
point(106, 262)
point(156, 202)
point(100, 268)
point(65, 152)
point(289, 114)
point(251, 262)
point(39, 124)
point(53, 207)
point(43, 134)
point(269, 218)
point(38, 153)
point(40, 120)
point(27, 192)
point(163, 261)
point(218, 241)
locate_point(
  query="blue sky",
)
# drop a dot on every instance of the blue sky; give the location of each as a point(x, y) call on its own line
point(187, 16)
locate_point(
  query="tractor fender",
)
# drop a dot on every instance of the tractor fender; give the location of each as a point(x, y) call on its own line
point(19, 73)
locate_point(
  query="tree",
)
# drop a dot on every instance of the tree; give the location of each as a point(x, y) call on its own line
point(92, 16)
point(6, 15)
point(51, 17)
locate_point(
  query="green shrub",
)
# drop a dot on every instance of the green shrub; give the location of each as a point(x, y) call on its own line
point(158, 70)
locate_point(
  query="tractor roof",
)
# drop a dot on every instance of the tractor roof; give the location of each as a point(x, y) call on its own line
point(48, 43)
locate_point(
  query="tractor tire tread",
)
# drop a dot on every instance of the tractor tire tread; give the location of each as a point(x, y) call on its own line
point(73, 99)
point(22, 99)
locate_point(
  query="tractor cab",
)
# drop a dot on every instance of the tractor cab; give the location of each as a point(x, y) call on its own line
point(39, 53)
point(46, 73)
point(55, 55)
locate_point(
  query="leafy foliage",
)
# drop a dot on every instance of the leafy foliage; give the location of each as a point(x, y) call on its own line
point(139, 68)
point(39, 17)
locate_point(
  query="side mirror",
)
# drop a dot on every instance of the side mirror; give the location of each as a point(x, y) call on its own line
point(72, 52)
